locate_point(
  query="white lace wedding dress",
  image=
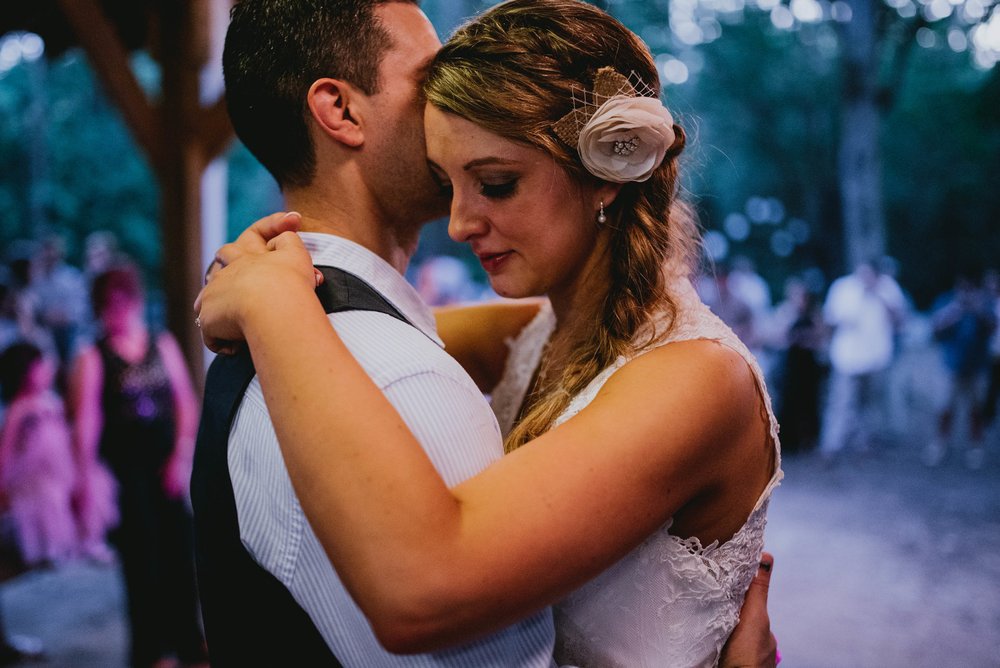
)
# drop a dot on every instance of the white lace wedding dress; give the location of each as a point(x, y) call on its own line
point(671, 602)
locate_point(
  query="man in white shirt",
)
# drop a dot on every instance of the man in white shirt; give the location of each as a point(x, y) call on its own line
point(864, 308)
point(326, 95)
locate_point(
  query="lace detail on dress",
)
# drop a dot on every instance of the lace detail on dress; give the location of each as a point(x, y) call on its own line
point(671, 601)
point(522, 360)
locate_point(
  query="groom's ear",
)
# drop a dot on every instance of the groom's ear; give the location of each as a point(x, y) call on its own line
point(330, 103)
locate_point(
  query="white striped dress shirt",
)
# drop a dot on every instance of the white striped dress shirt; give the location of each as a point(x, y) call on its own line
point(447, 414)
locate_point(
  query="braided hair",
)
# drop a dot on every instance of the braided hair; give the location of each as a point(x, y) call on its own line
point(513, 71)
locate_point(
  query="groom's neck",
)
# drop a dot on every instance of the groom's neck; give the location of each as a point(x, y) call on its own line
point(352, 220)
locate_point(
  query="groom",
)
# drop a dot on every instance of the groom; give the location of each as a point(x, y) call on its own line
point(326, 95)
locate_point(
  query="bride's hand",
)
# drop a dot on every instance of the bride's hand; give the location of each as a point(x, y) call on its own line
point(246, 286)
point(254, 239)
point(752, 644)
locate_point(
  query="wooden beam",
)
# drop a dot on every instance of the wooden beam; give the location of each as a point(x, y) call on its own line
point(180, 179)
point(111, 62)
point(180, 135)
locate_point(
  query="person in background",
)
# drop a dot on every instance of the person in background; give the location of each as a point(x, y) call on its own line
point(991, 283)
point(730, 306)
point(134, 407)
point(800, 338)
point(18, 312)
point(444, 280)
point(36, 462)
point(743, 283)
point(863, 309)
point(100, 253)
point(963, 322)
point(60, 299)
point(749, 285)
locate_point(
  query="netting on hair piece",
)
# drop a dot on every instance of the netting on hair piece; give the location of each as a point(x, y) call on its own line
point(608, 83)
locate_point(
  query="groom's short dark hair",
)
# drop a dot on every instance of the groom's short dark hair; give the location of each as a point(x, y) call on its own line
point(274, 51)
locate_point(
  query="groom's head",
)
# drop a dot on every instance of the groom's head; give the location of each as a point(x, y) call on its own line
point(305, 76)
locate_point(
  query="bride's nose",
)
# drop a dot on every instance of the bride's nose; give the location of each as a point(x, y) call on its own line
point(466, 220)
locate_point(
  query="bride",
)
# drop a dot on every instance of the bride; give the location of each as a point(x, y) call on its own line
point(642, 446)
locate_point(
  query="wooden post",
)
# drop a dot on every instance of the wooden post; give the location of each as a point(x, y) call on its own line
point(181, 52)
point(181, 135)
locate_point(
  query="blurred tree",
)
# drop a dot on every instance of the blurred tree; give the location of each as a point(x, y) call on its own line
point(766, 128)
point(943, 158)
point(91, 174)
point(798, 100)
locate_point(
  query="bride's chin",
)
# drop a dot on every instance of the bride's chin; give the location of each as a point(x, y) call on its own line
point(511, 291)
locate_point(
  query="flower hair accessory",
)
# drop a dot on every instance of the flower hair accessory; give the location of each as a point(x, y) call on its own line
point(621, 129)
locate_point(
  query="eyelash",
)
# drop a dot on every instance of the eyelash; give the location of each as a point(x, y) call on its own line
point(499, 190)
point(490, 190)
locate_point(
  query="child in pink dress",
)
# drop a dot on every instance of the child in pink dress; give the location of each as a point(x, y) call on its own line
point(36, 461)
point(38, 476)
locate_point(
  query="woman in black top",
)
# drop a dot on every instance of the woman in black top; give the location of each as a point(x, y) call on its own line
point(134, 407)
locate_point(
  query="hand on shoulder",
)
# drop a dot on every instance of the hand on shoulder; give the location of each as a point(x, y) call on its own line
point(251, 286)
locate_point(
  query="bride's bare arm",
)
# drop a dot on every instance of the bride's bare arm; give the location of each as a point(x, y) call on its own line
point(431, 566)
point(476, 335)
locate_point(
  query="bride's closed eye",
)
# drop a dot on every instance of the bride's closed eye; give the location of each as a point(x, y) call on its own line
point(499, 190)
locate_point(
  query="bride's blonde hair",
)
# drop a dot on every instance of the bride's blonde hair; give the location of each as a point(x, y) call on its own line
point(513, 71)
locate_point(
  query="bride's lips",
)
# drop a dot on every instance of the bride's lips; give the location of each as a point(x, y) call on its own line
point(493, 261)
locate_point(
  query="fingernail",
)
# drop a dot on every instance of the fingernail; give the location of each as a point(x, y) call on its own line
point(765, 566)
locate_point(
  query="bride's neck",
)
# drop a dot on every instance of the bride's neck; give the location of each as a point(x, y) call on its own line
point(578, 307)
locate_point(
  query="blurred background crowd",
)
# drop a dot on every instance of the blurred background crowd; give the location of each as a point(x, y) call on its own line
point(96, 439)
point(843, 159)
point(852, 363)
point(848, 359)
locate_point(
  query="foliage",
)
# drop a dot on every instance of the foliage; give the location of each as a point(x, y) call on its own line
point(764, 106)
point(88, 172)
point(766, 127)
point(942, 161)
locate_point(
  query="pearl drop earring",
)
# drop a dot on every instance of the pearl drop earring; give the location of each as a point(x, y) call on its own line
point(601, 218)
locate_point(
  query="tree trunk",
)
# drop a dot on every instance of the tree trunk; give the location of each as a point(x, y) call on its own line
point(860, 162)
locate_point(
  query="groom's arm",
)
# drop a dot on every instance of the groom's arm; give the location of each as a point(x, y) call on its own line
point(752, 645)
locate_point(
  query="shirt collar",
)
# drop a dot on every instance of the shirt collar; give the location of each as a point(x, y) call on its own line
point(334, 251)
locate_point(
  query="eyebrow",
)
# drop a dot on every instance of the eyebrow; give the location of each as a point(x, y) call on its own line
point(479, 162)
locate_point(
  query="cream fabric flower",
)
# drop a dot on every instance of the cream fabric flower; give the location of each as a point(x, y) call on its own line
point(626, 138)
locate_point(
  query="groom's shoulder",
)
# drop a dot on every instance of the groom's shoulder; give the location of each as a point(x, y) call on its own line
point(390, 350)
